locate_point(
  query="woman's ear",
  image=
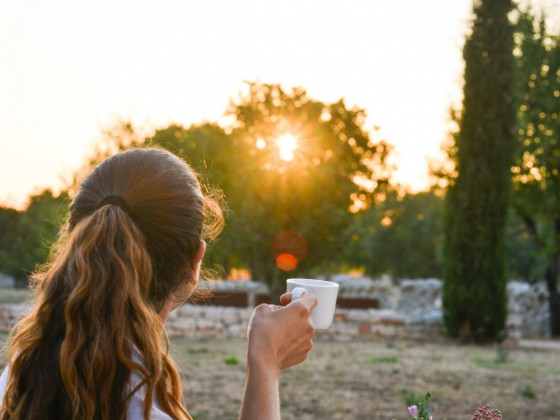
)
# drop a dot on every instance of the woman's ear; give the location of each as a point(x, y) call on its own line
point(198, 258)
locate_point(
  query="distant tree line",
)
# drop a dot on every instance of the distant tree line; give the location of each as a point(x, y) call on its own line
point(26, 236)
point(401, 235)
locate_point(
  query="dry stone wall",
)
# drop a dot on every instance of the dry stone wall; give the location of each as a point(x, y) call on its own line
point(410, 310)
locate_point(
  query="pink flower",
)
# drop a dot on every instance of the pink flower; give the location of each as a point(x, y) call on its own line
point(413, 411)
point(486, 413)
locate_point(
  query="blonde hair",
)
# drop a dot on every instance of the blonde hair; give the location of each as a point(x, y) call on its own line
point(115, 263)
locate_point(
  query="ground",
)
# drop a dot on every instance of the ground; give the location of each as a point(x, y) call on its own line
point(367, 379)
point(374, 379)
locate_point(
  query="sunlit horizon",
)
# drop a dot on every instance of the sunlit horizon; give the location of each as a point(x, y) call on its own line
point(70, 69)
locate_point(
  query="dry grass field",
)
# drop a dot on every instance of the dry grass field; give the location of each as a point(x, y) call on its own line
point(374, 379)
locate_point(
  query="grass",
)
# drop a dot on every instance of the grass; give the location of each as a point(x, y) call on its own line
point(435, 358)
point(375, 379)
point(198, 350)
point(385, 359)
point(502, 354)
point(528, 392)
point(231, 360)
point(409, 398)
point(371, 380)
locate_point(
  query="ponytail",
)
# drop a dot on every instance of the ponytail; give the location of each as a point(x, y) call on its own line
point(99, 284)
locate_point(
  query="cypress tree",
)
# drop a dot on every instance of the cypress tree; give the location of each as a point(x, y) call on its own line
point(474, 271)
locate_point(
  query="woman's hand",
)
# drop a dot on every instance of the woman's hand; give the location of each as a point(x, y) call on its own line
point(279, 337)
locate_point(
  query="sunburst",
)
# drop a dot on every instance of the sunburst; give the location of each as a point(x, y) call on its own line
point(287, 144)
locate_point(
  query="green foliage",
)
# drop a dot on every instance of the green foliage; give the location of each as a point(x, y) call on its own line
point(528, 392)
point(502, 355)
point(310, 194)
point(198, 350)
point(409, 398)
point(474, 295)
point(536, 171)
point(423, 412)
point(400, 236)
point(10, 238)
point(207, 148)
point(421, 404)
point(232, 360)
point(385, 359)
point(26, 236)
point(524, 261)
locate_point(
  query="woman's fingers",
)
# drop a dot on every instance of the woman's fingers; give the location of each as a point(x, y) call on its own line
point(309, 299)
point(286, 298)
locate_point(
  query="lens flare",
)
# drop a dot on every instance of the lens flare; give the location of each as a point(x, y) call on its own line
point(286, 262)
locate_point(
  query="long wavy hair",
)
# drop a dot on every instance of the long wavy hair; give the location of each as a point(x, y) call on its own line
point(113, 267)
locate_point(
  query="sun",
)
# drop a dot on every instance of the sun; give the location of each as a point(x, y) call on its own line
point(287, 144)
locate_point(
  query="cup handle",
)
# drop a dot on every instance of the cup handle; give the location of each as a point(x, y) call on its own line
point(297, 292)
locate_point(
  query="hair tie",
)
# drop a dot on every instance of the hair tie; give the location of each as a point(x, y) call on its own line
point(117, 200)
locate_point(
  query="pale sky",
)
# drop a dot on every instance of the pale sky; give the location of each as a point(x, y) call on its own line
point(70, 68)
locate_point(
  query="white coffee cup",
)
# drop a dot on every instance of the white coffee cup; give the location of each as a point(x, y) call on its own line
point(324, 291)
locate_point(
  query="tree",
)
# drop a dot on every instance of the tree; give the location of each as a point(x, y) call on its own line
point(536, 171)
point(474, 294)
point(308, 190)
point(400, 236)
point(524, 261)
point(10, 237)
point(28, 235)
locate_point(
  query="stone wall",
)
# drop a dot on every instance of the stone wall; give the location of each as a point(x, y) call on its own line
point(222, 322)
point(197, 322)
point(419, 302)
point(411, 310)
point(528, 310)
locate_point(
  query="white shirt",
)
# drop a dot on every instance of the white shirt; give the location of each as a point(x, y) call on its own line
point(3, 384)
point(136, 404)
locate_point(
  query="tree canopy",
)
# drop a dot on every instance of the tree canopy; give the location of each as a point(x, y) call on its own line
point(334, 166)
point(536, 170)
point(400, 236)
point(25, 236)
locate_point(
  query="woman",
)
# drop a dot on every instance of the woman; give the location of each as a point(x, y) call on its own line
point(130, 253)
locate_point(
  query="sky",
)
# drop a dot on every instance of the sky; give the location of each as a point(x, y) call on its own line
point(69, 69)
